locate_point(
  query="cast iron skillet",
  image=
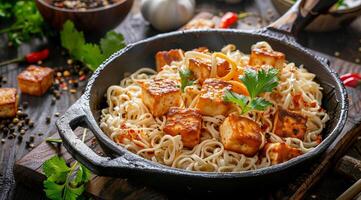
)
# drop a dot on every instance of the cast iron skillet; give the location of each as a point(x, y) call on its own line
point(86, 111)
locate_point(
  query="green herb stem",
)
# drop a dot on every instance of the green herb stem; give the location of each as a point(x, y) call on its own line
point(54, 140)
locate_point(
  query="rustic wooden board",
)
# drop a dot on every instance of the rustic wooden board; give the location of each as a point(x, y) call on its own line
point(28, 169)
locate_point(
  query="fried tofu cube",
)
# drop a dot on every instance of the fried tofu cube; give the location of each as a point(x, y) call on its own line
point(185, 122)
point(8, 102)
point(211, 100)
point(289, 124)
point(264, 56)
point(241, 135)
point(201, 70)
point(280, 152)
point(163, 58)
point(160, 94)
point(35, 80)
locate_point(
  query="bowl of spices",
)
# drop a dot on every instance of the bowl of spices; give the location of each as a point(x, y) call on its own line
point(96, 16)
point(341, 14)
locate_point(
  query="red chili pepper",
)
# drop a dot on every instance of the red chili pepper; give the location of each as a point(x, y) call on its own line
point(37, 56)
point(29, 58)
point(352, 82)
point(349, 75)
point(228, 19)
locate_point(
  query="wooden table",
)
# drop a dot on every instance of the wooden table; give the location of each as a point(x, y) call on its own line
point(345, 41)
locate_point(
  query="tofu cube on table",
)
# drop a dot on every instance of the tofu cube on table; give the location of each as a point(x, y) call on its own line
point(159, 95)
point(241, 135)
point(186, 122)
point(35, 80)
point(8, 102)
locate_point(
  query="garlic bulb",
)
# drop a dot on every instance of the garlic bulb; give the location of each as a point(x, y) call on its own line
point(166, 15)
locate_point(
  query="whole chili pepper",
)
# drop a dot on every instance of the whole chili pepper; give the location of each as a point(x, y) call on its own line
point(349, 75)
point(352, 82)
point(29, 58)
point(228, 19)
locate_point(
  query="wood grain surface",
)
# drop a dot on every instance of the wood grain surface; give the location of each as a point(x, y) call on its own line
point(134, 28)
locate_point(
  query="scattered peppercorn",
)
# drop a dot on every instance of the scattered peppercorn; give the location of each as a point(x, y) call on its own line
point(31, 138)
point(15, 120)
point(22, 132)
point(20, 138)
point(48, 119)
point(66, 73)
point(31, 124)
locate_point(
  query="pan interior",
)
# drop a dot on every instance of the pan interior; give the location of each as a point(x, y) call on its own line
point(142, 55)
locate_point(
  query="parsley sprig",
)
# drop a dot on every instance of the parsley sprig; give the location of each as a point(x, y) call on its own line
point(92, 55)
point(256, 84)
point(185, 75)
point(64, 182)
point(28, 22)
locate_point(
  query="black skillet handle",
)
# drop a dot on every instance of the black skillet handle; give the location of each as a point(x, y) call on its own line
point(75, 117)
point(300, 15)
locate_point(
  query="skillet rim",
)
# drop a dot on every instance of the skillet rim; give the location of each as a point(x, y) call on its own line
point(151, 166)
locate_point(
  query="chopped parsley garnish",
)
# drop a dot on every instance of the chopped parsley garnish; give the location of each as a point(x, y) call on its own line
point(256, 84)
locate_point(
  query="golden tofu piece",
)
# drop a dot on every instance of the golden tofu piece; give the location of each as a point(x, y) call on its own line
point(289, 124)
point(202, 69)
point(8, 102)
point(263, 56)
point(160, 94)
point(163, 58)
point(241, 135)
point(211, 101)
point(186, 122)
point(280, 152)
point(35, 80)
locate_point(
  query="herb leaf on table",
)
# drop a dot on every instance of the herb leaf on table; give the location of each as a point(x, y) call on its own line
point(65, 182)
point(92, 55)
point(28, 22)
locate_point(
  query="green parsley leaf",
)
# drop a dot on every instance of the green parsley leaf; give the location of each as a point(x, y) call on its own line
point(238, 99)
point(112, 42)
point(55, 166)
point(28, 22)
point(71, 39)
point(92, 55)
point(5, 10)
point(185, 76)
point(256, 83)
point(259, 104)
point(259, 82)
point(64, 182)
